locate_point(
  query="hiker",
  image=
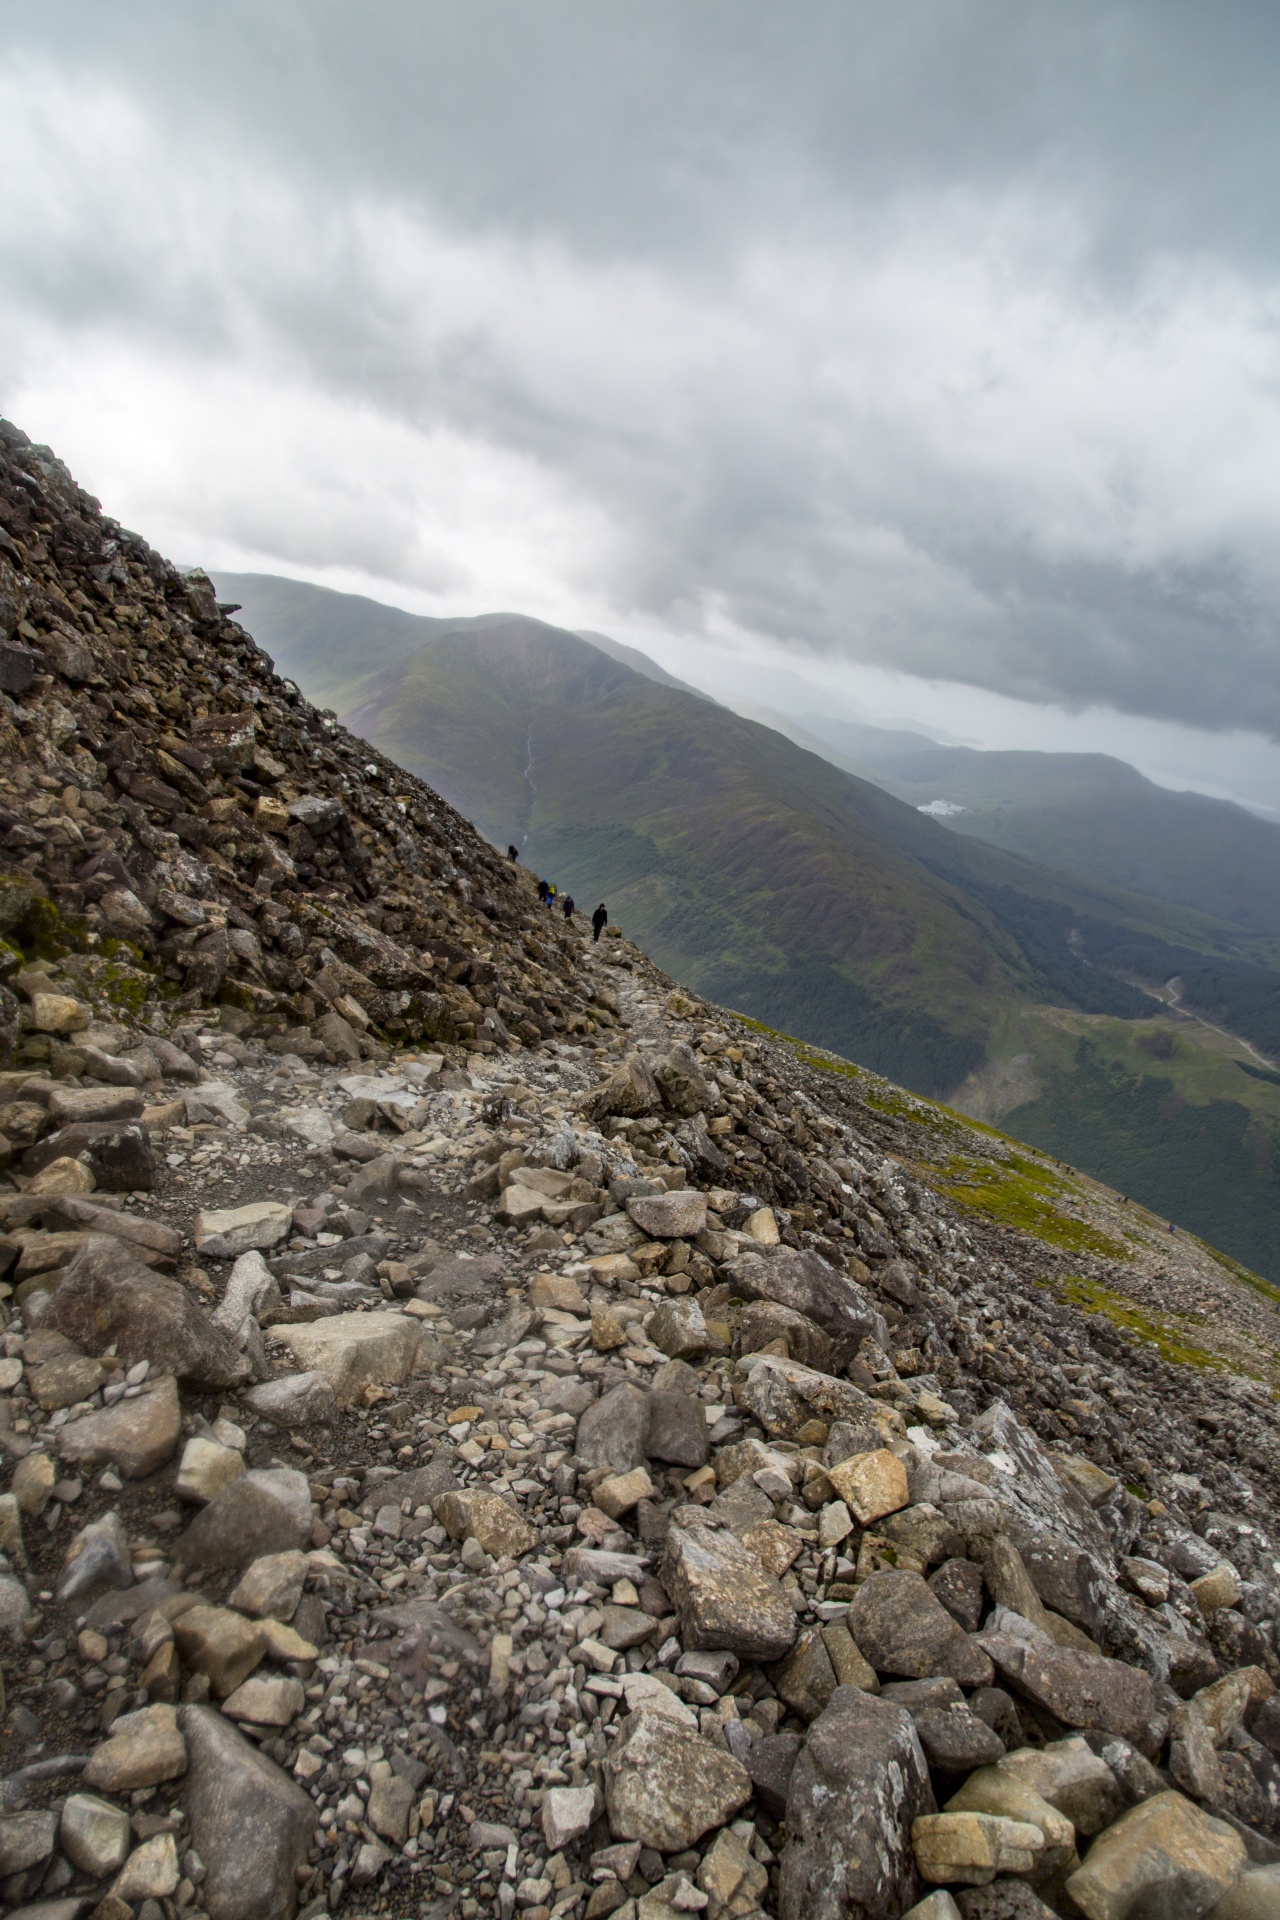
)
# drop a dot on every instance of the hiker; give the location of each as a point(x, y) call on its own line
point(568, 906)
point(544, 892)
point(513, 852)
point(599, 921)
point(551, 896)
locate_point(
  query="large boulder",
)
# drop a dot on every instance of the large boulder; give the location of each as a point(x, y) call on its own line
point(68, 1213)
point(356, 1350)
point(872, 1485)
point(1072, 1778)
point(70, 1105)
point(1255, 1896)
point(1079, 1689)
point(1065, 1547)
point(419, 1486)
point(267, 1510)
point(1002, 1797)
point(808, 1284)
point(613, 1431)
point(497, 1524)
point(228, 1231)
point(294, 1400)
point(221, 1644)
point(681, 1082)
point(858, 1785)
point(26, 1840)
point(251, 1288)
point(666, 1786)
point(136, 1437)
point(764, 1321)
point(902, 1628)
point(118, 1153)
point(669, 1216)
point(677, 1431)
point(723, 1595)
point(105, 1297)
point(678, 1329)
point(630, 1091)
point(248, 1822)
point(63, 1381)
point(457, 1283)
point(1164, 1857)
point(271, 1587)
point(784, 1396)
point(144, 1749)
point(95, 1835)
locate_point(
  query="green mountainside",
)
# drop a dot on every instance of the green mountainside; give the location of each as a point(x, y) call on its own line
point(814, 901)
point(1086, 812)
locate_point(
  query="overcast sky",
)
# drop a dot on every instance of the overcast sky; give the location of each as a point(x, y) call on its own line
point(932, 349)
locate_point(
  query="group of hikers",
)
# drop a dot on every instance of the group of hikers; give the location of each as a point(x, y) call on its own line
point(551, 897)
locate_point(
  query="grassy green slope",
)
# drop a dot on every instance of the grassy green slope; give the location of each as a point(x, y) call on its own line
point(1170, 1114)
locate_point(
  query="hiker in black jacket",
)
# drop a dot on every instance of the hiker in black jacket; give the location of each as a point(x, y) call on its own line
point(599, 921)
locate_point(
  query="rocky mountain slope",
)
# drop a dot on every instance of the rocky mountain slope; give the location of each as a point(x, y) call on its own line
point(761, 876)
point(488, 1432)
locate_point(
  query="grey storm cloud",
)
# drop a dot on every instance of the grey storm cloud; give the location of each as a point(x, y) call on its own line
point(941, 338)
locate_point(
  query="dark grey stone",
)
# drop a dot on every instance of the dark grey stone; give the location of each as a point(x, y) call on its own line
point(805, 1282)
point(859, 1784)
point(771, 1763)
point(419, 1487)
point(118, 1153)
point(764, 1321)
point(613, 1431)
point(1000, 1712)
point(1081, 1689)
point(902, 1629)
point(248, 1821)
point(1002, 1900)
point(106, 1296)
point(267, 1510)
point(677, 1431)
point(958, 1585)
point(957, 1740)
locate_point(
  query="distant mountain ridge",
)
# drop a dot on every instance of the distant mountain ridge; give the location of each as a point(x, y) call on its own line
point(640, 663)
point(817, 902)
point(1089, 813)
point(806, 896)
